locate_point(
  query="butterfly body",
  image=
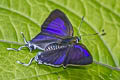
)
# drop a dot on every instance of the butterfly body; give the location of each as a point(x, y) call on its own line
point(42, 44)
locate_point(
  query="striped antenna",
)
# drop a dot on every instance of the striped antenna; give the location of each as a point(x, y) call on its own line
point(80, 26)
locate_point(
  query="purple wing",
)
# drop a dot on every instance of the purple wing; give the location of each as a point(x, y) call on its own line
point(57, 24)
point(75, 54)
point(78, 55)
point(55, 28)
point(52, 57)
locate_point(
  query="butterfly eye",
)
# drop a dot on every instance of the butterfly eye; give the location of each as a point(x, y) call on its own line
point(78, 39)
point(32, 47)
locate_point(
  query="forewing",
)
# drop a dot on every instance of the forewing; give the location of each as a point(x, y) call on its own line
point(57, 24)
point(78, 55)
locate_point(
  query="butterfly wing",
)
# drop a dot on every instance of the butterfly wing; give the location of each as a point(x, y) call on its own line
point(55, 28)
point(52, 57)
point(75, 54)
point(57, 24)
point(78, 55)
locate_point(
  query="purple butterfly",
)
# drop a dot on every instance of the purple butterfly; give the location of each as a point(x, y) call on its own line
point(58, 44)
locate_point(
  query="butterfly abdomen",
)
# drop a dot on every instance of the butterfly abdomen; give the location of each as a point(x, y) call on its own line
point(54, 46)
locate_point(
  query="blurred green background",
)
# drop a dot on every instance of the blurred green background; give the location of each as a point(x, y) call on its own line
point(27, 16)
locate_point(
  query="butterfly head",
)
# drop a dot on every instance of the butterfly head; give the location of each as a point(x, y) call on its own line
point(30, 46)
point(76, 39)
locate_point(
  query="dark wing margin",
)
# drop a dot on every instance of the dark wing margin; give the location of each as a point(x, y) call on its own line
point(57, 24)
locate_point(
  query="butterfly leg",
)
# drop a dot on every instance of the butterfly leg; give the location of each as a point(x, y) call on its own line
point(24, 38)
point(16, 49)
point(25, 63)
point(37, 57)
point(26, 43)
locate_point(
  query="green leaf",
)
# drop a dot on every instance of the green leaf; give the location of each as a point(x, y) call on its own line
point(27, 16)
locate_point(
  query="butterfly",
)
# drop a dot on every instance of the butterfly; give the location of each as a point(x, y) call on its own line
point(60, 47)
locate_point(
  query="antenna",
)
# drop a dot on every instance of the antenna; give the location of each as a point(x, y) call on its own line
point(80, 24)
point(21, 46)
point(101, 34)
point(24, 38)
